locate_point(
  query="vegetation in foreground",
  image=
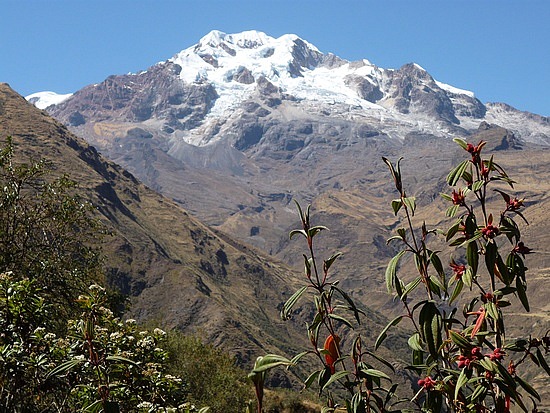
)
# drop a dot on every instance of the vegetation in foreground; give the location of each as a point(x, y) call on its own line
point(463, 360)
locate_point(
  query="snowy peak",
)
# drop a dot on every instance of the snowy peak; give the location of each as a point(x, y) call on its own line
point(250, 39)
point(207, 91)
point(44, 99)
point(259, 53)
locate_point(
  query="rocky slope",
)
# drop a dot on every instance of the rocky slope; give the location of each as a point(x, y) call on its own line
point(177, 271)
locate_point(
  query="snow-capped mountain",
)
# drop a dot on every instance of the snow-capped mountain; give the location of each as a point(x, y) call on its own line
point(44, 99)
point(198, 95)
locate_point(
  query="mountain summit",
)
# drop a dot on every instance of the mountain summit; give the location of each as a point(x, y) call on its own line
point(236, 125)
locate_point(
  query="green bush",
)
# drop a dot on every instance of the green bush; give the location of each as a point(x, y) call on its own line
point(213, 379)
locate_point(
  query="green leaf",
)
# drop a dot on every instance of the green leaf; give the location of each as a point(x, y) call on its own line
point(521, 287)
point(543, 362)
point(315, 230)
point(472, 256)
point(460, 340)
point(491, 252)
point(410, 203)
point(527, 387)
point(311, 378)
point(456, 292)
point(467, 277)
point(358, 403)
point(64, 367)
point(287, 308)
point(381, 360)
point(479, 393)
point(402, 233)
point(384, 332)
point(298, 357)
point(396, 205)
point(340, 318)
point(461, 142)
point(350, 302)
point(323, 378)
point(431, 324)
point(456, 173)
point(411, 286)
point(452, 210)
point(391, 271)
point(395, 172)
point(460, 382)
point(453, 230)
point(335, 377)
point(415, 342)
point(297, 231)
point(120, 359)
point(328, 263)
point(95, 407)
point(491, 310)
point(477, 185)
point(436, 262)
point(270, 361)
point(375, 373)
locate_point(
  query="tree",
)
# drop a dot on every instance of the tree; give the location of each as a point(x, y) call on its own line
point(46, 232)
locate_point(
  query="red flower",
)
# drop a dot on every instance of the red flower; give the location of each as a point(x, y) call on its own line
point(458, 198)
point(331, 346)
point(514, 204)
point(475, 151)
point(463, 361)
point(428, 383)
point(466, 359)
point(496, 355)
point(458, 269)
point(490, 231)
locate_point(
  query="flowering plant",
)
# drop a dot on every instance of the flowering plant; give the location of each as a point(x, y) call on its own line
point(466, 365)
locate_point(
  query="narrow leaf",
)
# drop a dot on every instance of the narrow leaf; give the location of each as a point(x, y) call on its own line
point(384, 332)
point(335, 377)
point(457, 172)
point(391, 271)
point(287, 308)
point(461, 381)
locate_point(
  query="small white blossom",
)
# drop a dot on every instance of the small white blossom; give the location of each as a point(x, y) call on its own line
point(159, 332)
point(49, 336)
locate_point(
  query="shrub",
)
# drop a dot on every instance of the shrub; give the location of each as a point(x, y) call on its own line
point(459, 350)
point(213, 379)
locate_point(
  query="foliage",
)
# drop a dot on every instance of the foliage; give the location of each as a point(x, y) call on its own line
point(212, 377)
point(45, 232)
point(365, 386)
point(102, 364)
point(463, 359)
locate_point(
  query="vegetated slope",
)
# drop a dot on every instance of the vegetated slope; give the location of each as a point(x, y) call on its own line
point(177, 271)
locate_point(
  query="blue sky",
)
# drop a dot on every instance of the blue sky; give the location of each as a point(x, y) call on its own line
point(500, 49)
